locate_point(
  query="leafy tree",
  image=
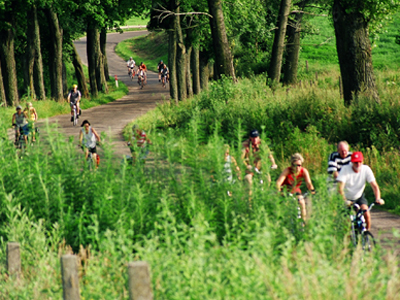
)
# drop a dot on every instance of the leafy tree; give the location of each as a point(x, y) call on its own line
point(353, 20)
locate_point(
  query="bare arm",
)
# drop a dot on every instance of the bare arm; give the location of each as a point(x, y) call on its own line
point(308, 182)
point(282, 178)
point(96, 135)
point(377, 191)
point(341, 190)
point(335, 174)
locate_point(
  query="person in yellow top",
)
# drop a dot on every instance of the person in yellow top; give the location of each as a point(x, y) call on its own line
point(31, 116)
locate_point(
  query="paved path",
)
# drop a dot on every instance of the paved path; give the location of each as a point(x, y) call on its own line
point(113, 117)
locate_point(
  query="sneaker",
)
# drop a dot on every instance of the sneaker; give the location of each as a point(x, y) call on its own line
point(80, 111)
point(159, 80)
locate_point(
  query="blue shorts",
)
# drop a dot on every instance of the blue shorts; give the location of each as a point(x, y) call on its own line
point(25, 129)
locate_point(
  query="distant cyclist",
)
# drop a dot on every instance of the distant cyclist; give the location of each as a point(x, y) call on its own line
point(336, 161)
point(74, 97)
point(130, 64)
point(141, 77)
point(164, 75)
point(292, 178)
point(251, 156)
point(143, 67)
point(160, 66)
point(32, 117)
point(138, 143)
point(87, 140)
point(20, 122)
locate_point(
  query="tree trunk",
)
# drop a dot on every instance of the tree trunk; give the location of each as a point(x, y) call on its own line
point(27, 69)
point(354, 53)
point(8, 64)
point(180, 61)
point(172, 53)
point(3, 100)
point(222, 51)
point(292, 51)
point(195, 64)
point(204, 70)
point(56, 55)
point(64, 80)
point(90, 49)
point(79, 74)
point(188, 73)
point(274, 72)
point(38, 65)
point(103, 43)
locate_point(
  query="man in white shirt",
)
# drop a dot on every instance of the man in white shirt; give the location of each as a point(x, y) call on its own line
point(352, 179)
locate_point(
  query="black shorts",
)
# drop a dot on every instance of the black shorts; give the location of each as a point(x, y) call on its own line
point(92, 150)
point(360, 201)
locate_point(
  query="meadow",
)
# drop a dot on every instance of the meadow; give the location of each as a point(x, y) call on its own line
point(200, 242)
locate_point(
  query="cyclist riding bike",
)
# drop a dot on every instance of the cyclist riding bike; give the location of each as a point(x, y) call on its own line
point(164, 74)
point(87, 140)
point(141, 77)
point(337, 160)
point(142, 67)
point(130, 64)
point(74, 97)
point(352, 179)
point(160, 66)
point(138, 144)
point(20, 123)
point(292, 177)
point(32, 117)
point(251, 156)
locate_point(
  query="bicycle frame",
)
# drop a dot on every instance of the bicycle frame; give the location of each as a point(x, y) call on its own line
point(359, 228)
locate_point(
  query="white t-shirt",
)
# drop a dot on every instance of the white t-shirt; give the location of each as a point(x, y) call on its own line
point(130, 63)
point(354, 183)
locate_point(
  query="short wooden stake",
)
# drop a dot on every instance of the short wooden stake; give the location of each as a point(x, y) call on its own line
point(139, 281)
point(70, 281)
point(13, 259)
point(307, 66)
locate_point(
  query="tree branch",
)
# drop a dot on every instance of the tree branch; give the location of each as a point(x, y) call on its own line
point(306, 13)
point(165, 13)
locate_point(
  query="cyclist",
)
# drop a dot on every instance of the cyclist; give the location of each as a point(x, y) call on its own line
point(352, 179)
point(164, 74)
point(87, 140)
point(160, 66)
point(32, 117)
point(138, 143)
point(143, 67)
point(292, 178)
point(251, 156)
point(336, 161)
point(141, 77)
point(130, 64)
point(20, 123)
point(74, 97)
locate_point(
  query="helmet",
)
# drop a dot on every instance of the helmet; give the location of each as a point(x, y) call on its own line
point(254, 133)
point(131, 57)
point(19, 107)
point(141, 63)
point(161, 61)
point(75, 86)
point(134, 127)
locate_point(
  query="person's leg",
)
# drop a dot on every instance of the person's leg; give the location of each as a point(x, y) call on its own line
point(302, 204)
point(367, 216)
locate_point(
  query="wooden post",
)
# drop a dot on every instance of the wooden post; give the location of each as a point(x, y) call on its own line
point(316, 76)
point(13, 259)
point(307, 66)
point(139, 281)
point(70, 281)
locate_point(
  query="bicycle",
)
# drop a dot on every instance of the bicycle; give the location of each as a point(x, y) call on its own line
point(131, 73)
point(359, 230)
point(89, 160)
point(74, 117)
point(298, 216)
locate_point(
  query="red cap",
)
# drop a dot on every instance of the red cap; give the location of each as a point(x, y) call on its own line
point(357, 157)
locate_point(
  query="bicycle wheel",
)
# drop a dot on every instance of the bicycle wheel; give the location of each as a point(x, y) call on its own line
point(354, 235)
point(368, 241)
point(75, 121)
point(90, 161)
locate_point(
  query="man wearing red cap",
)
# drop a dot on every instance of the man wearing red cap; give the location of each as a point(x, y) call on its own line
point(352, 179)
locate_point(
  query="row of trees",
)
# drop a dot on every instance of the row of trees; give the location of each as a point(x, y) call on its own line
point(36, 43)
point(200, 32)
